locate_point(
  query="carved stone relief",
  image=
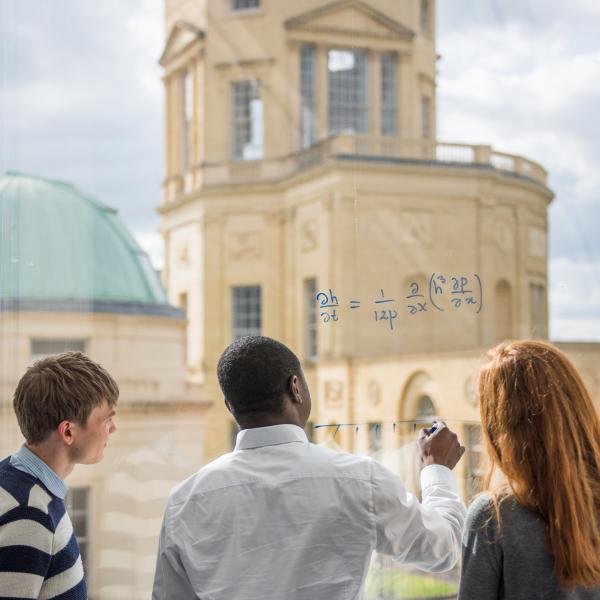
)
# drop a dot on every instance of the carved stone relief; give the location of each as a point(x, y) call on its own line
point(333, 393)
point(416, 228)
point(309, 235)
point(183, 255)
point(503, 236)
point(245, 245)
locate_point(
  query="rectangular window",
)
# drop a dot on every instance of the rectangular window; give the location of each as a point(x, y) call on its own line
point(186, 119)
point(310, 291)
point(76, 503)
point(388, 94)
point(425, 117)
point(307, 96)
point(348, 110)
point(246, 120)
point(538, 313)
point(244, 4)
point(41, 348)
point(375, 438)
point(475, 460)
point(246, 311)
point(425, 16)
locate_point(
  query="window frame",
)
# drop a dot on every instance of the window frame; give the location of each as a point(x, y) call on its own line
point(60, 345)
point(241, 126)
point(308, 81)
point(83, 541)
point(311, 325)
point(244, 9)
point(238, 330)
point(187, 119)
point(358, 113)
point(425, 16)
point(389, 94)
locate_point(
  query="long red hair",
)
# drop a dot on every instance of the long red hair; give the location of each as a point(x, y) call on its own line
point(543, 431)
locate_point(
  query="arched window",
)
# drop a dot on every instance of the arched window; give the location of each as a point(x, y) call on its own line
point(425, 408)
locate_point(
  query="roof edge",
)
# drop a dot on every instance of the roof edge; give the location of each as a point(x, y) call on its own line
point(90, 306)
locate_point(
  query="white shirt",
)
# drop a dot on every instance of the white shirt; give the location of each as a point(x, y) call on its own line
point(280, 518)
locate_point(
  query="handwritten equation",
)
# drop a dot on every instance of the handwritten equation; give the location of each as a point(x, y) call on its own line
point(442, 294)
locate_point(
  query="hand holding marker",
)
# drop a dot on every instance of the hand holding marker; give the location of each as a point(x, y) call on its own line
point(438, 445)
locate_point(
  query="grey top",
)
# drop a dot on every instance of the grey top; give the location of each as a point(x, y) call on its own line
point(513, 565)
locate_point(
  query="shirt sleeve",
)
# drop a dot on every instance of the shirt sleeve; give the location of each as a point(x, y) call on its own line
point(481, 574)
point(426, 535)
point(170, 579)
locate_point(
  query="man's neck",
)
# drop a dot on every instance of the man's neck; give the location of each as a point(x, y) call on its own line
point(267, 420)
point(56, 459)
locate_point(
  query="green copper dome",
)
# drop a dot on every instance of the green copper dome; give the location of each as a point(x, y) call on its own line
point(62, 250)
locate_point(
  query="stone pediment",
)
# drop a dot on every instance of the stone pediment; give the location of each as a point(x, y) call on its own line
point(183, 35)
point(352, 18)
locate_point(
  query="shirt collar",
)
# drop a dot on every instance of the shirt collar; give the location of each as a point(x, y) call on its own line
point(269, 436)
point(25, 460)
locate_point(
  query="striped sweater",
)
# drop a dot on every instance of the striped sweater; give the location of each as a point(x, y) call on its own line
point(39, 555)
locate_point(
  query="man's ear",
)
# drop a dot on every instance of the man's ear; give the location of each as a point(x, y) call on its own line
point(65, 432)
point(228, 406)
point(294, 386)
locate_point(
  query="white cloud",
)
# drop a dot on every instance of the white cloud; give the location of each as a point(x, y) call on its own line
point(574, 299)
point(151, 242)
point(528, 85)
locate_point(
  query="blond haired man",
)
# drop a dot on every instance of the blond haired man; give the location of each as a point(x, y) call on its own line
point(65, 405)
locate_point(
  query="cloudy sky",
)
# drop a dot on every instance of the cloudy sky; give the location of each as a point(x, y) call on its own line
point(81, 100)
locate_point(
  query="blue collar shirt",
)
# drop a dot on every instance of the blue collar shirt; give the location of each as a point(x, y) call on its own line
point(25, 460)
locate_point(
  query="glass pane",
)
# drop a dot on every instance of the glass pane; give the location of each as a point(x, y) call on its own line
point(388, 188)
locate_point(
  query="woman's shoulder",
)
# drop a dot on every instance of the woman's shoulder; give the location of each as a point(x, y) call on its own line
point(487, 508)
point(482, 507)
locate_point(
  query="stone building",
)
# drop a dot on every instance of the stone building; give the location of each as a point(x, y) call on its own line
point(307, 197)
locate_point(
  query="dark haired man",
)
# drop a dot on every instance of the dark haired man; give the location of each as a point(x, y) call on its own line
point(282, 519)
point(65, 406)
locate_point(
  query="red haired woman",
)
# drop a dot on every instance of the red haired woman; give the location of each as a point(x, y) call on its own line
point(538, 536)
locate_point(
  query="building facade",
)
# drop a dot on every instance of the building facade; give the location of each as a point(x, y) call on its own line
point(307, 197)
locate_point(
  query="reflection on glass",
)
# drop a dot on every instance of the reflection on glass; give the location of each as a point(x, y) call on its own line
point(316, 167)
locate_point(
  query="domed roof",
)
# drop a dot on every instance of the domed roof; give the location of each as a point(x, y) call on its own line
point(62, 250)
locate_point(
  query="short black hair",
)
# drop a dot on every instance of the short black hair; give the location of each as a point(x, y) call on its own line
point(254, 374)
